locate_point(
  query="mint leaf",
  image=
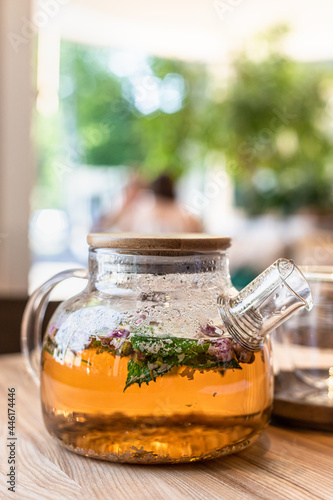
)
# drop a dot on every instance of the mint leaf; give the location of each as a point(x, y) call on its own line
point(168, 346)
point(162, 354)
point(148, 370)
point(137, 374)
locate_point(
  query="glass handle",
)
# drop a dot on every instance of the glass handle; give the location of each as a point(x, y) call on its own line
point(32, 321)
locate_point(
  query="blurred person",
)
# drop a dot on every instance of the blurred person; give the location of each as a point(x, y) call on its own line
point(151, 210)
point(135, 184)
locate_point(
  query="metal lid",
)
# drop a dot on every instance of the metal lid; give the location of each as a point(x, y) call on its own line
point(176, 242)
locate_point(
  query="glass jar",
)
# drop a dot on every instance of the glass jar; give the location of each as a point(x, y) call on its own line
point(304, 358)
point(139, 367)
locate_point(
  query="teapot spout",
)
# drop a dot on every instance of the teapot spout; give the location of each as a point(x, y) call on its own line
point(265, 303)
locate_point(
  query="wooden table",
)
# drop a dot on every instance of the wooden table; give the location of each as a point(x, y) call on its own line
point(282, 464)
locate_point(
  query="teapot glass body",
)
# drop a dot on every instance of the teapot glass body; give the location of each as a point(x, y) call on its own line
point(139, 367)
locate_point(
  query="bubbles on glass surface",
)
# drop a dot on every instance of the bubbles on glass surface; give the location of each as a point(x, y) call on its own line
point(75, 331)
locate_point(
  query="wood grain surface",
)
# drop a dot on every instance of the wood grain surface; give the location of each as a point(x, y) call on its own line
point(282, 464)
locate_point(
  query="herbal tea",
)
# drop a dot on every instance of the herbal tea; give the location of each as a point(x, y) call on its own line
point(130, 397)
point(160, 359)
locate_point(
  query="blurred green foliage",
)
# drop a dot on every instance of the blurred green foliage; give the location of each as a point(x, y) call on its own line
point(274, 126)
point(268, 117)
point(111, 130)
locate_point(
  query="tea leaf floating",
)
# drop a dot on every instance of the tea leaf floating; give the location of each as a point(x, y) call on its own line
point(158, 356)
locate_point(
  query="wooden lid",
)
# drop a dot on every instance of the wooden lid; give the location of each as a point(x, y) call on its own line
point(159, 242)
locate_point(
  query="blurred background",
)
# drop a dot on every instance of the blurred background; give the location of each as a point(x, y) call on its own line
point(212, 116)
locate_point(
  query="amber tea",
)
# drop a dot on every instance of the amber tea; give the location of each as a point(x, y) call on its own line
point(133, 398)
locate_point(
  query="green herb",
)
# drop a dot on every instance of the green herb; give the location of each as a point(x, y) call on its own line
point(168, 346)
point(137, 374)
point(152, 357)
point(161, 355)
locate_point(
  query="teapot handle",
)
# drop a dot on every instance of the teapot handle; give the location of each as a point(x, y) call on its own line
point(32, 321)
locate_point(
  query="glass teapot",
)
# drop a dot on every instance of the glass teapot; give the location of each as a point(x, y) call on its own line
point(159, 359)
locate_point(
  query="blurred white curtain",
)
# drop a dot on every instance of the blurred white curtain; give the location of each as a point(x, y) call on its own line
point(16, 167)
